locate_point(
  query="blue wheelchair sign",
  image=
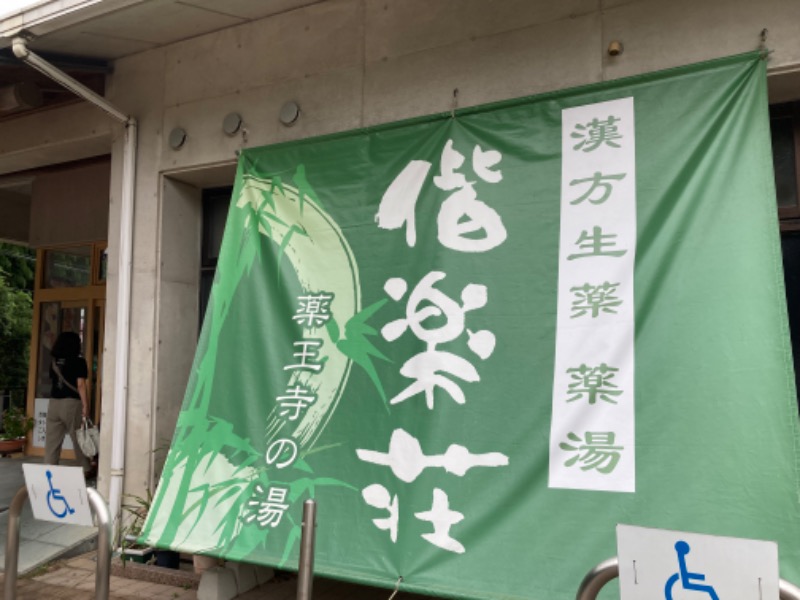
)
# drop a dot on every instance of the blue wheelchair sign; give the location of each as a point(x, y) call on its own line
point(678, 565)
point(688, 580)
point(58, 494)
point(56, 498)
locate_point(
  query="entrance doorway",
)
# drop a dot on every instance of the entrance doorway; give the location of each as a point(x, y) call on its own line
point(69, 295)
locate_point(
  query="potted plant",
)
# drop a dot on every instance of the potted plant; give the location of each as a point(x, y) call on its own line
point(135, 552)
point(130, 549)
point(16, 425)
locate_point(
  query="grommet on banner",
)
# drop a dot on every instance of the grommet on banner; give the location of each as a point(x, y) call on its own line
point(455, 104)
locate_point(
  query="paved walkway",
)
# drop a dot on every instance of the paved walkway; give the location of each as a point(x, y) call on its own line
point(73, 579)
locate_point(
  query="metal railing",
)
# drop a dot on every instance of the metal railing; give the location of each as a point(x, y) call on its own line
point(102, 517)
point(609, 569)
point(305, 570)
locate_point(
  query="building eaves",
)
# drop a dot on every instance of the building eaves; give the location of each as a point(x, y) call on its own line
point(53, 15)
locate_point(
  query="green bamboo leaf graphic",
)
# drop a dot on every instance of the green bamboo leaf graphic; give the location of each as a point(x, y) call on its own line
point(292, 539)
point(333, 330)
point(315, 449)
point(206, 446)
point(330, 481)
point(359, 348)
point(302, 465)
point(304, 188)
point(228, 493)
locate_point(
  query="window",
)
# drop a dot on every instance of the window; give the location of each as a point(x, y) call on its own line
point(67, 267)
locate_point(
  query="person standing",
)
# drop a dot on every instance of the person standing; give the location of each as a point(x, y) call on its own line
point(69, 402)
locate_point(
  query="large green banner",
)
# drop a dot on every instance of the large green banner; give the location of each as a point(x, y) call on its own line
point(480, 340)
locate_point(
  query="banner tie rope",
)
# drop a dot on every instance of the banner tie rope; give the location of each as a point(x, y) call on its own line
point(396, 587)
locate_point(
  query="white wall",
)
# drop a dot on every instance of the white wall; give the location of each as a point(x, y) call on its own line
point(350, 64)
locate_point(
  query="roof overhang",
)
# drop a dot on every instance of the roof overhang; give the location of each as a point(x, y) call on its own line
point(47, 16)
point(111, 29)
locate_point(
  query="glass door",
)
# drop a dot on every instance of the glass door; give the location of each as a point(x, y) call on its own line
point(54, 318)
point(69, 296)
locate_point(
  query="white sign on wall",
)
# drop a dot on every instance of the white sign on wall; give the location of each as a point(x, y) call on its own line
point(58, 494)
point(674, 565)
point(40, 427)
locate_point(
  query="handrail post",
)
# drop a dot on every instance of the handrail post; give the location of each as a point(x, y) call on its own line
point(597, 578)
point(12, 543)
point(788, 591)
point(305, 574)
point(609, 569)
point(102, 516)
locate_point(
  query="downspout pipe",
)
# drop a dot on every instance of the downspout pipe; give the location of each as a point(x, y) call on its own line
point(118, 432)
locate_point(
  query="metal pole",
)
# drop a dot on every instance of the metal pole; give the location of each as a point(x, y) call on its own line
point(788, 591)
point(597, 578)
point(103, 573)
point(609, 569)
point(102, 577)
point(12, 543)
point(305, 576)
point(19, 46)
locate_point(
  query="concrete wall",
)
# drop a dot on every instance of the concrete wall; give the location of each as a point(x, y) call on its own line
point(356, 63)
point(349, 64)
point(70, 205)
point(29, 142)
point(177, 311)
point(55, 136)
point(15, 217)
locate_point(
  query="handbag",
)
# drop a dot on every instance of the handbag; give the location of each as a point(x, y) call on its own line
point(88, 438)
